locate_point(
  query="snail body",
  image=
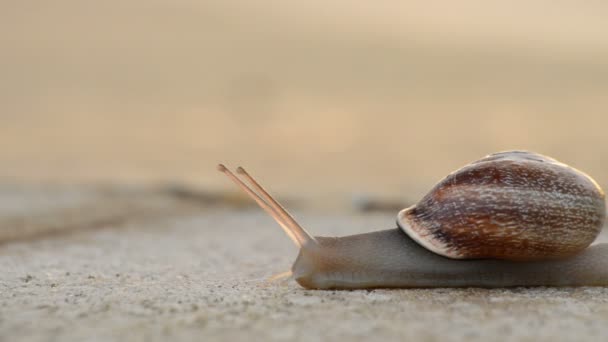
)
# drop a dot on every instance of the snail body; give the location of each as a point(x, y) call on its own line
point(510, 219)
point(391, 259)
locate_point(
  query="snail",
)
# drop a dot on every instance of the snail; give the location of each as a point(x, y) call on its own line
point(510, 219)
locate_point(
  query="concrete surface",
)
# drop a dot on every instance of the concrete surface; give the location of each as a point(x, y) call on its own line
point(201, 274)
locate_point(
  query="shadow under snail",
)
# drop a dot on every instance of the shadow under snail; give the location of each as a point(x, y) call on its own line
point(510, 219)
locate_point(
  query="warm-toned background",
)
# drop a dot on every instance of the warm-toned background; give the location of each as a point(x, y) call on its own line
point(319, 99)
point(115, 225)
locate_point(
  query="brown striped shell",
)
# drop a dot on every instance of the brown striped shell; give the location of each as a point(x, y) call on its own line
point(509, 205)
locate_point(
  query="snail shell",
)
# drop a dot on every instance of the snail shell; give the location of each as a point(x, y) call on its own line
point(510, 205)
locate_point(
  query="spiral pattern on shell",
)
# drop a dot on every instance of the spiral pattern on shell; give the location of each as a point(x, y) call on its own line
point(510, 205)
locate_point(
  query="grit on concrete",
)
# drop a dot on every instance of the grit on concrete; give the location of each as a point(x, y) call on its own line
point(202, 275)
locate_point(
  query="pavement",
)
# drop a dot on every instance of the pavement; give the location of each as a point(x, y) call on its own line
point(157, 268)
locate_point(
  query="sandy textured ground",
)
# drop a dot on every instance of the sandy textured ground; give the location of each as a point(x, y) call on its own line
point(200, 274)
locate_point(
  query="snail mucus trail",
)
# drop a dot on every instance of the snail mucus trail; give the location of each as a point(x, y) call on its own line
point(510, 219)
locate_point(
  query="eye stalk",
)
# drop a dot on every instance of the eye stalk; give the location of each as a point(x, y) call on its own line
point(296, 232)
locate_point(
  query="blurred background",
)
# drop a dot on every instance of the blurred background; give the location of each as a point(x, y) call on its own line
point(321, 100)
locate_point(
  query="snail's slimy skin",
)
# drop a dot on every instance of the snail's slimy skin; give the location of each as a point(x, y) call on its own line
point(390, 259)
